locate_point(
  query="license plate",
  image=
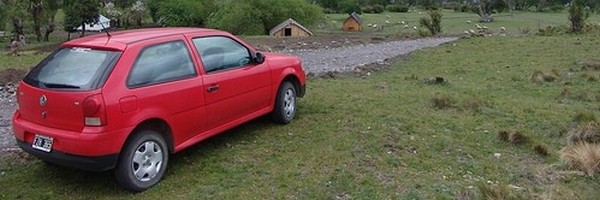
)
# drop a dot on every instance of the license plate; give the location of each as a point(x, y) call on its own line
point(43, 143)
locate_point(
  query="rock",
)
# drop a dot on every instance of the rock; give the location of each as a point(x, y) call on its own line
point(497, 155)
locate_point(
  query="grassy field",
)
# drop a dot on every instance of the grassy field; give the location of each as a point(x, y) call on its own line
point(453, 22)
point(383, 137)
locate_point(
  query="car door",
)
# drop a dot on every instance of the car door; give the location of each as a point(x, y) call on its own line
point(163, 82)
point(236, 88)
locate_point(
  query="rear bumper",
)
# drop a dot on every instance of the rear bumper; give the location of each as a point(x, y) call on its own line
point(96, 163)
point(89, 142)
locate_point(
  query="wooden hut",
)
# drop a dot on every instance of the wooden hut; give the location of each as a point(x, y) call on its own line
point(352, 23)
point(290, 28)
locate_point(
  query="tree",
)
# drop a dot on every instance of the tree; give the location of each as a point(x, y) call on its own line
point(2, 14)
point(485, 9)
point(181, 12)
point(36, 9)
point(16, 9)
point(137, 12)
point(112, 12)
point(50, 10)
point(350, 6)
point(260, 16)
point(79, 13)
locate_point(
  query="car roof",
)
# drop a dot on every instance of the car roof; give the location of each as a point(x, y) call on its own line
point(120, 39)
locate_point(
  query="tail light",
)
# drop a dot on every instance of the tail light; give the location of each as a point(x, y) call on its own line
point(94, 111)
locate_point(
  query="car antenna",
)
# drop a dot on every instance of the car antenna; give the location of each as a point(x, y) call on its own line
point(104, 28)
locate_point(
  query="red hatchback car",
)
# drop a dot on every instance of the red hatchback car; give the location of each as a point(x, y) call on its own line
point(128, 100)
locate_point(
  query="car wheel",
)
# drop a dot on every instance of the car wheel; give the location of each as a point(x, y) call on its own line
point(285, 104)
point(143, 161)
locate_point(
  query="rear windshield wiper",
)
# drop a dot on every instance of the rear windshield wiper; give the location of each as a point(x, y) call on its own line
point(60, 85)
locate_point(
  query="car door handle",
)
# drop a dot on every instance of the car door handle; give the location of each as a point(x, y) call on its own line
point(212, 88)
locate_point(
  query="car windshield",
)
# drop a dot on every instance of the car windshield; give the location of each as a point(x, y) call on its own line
point(73, 68)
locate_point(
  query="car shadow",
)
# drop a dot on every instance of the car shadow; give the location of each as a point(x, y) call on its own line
point(62, 180)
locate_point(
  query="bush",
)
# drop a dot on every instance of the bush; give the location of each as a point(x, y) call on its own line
point(465, 7)
point(552, 31)
point(557, 8)
point(577, 16)
point(181, 13)
point(434, 24)
point(349, 7)
point(450, 5)
point(397, 8)
point(373, 9)
point(258, 17)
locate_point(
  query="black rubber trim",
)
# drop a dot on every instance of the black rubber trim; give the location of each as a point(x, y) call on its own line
point(94, 164)
point(301, 91)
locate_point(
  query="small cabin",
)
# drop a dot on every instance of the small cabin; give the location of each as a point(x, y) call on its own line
point(352, 23)
point(290, 28)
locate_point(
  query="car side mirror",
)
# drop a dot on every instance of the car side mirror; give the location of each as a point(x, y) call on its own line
point(259, 58)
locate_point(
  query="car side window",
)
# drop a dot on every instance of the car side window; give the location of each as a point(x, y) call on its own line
point(221, 53)
point(161, 63)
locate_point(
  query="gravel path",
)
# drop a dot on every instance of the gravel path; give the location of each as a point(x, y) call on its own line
point(320, 61)
point(315, 61)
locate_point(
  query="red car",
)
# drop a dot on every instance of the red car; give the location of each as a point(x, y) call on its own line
point(128, 100)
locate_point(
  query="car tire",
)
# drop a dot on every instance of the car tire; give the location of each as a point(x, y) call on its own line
point(143, 161)
point(285, 104)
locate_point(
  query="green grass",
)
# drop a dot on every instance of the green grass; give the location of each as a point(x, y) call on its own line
point(453, 22)
point(380, 137)
point(27, 60)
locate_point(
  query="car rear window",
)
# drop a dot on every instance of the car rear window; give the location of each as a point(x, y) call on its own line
point(73, 68)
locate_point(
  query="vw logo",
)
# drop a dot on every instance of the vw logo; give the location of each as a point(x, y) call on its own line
point(43, 100)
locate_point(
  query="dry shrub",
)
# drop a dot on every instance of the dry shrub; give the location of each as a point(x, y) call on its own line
point(587, 132)
point(540, 76)
point(443, 102)
point(517, 138)
point(472, 104)
point(590, 77)
point(465, 194)
point(581, 96)
point(584, 117)
point(494, 192)
point(503, 136)
point(541, 150)
point(582, 156)
point(514, 137)
point(555, 72)
point(564, 94)
point(411, 77)
point(591, 64)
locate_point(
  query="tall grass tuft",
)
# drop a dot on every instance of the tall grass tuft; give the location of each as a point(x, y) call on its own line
point(443, 102)
point(582, 156)
point(541, 150)
point(586, 132)
point(584, 116)
point(503, 136)
point(495, 192)
point(517, 138)
point(540, 76)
